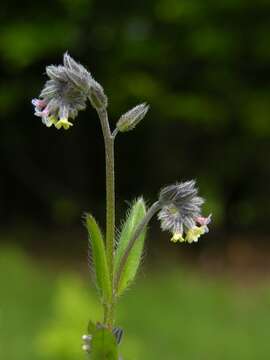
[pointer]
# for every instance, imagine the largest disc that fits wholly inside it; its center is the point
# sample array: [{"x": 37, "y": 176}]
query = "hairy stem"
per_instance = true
[
  {"x": 110, "y": 207},
  {"x": 150, "y": 213}
]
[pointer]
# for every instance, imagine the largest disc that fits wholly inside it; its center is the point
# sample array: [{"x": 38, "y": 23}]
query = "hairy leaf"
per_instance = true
[
  {"x": 99, "y": 257},
  {"x": 135, "y": 214}
]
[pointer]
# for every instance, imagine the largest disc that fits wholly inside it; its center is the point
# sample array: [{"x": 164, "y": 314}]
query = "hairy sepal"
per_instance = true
[
  {"x": 99, "y": 258},
  {"x": 134, "y": 216}
]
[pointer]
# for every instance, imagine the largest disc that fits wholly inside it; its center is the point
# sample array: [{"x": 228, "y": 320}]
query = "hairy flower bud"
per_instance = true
[
  {"x": 130, "y": 119},
  {"x": 96, "y": 95},
  {"x": 181, "y": 212}
]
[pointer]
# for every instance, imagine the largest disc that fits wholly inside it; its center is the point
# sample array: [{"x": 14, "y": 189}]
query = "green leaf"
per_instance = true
[
  {"x": 135, "y": 214},
  {"x": 103, "y": 345},
  {"x": 99, "y": 257}
]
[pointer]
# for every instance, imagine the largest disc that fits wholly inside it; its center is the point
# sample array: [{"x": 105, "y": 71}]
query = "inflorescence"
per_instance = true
[
  {"x": 181, "y": 212},
  {"x": 66, "y": 93}
]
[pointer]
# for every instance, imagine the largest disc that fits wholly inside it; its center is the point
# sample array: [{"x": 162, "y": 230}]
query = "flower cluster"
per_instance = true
[
  {"x": 181, "y": 212},
  {"x": 64, "y": 94}
]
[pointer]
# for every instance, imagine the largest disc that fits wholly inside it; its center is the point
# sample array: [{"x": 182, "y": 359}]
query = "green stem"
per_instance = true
[
  {"x": 150, "y": 213},
  {"x": 110, "y": 207}
]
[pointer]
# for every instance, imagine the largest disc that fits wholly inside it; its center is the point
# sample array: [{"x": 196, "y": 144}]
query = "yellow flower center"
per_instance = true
[
  {"x": 194, "y": 233},
  {"x": 177, "y": 237},
  {"x": 63, "y": 123},
  {"x": 53, "y": 119}
]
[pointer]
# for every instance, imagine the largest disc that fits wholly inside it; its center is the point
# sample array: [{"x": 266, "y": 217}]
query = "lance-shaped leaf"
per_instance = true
[
  {"x": 99, "y": 257},
  {"x": 103, "y": 345},
  {"x": 135, "y": 214}
]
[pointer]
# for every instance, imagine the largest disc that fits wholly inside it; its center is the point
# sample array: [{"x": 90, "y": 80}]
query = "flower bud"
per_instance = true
[
  {"x": 130, "y": 119},
  {"x": 97, "y": 96}
]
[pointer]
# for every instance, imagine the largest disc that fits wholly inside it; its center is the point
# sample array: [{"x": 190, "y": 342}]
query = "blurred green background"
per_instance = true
[{"x": 203, "y": 66}]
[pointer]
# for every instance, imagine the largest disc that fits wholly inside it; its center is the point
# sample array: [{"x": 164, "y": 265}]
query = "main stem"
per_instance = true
[{"x": 110, "y": 208}]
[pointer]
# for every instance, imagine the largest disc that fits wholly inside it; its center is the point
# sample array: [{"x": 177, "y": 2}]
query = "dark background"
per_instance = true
[{"x": 203, "y": 66}]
